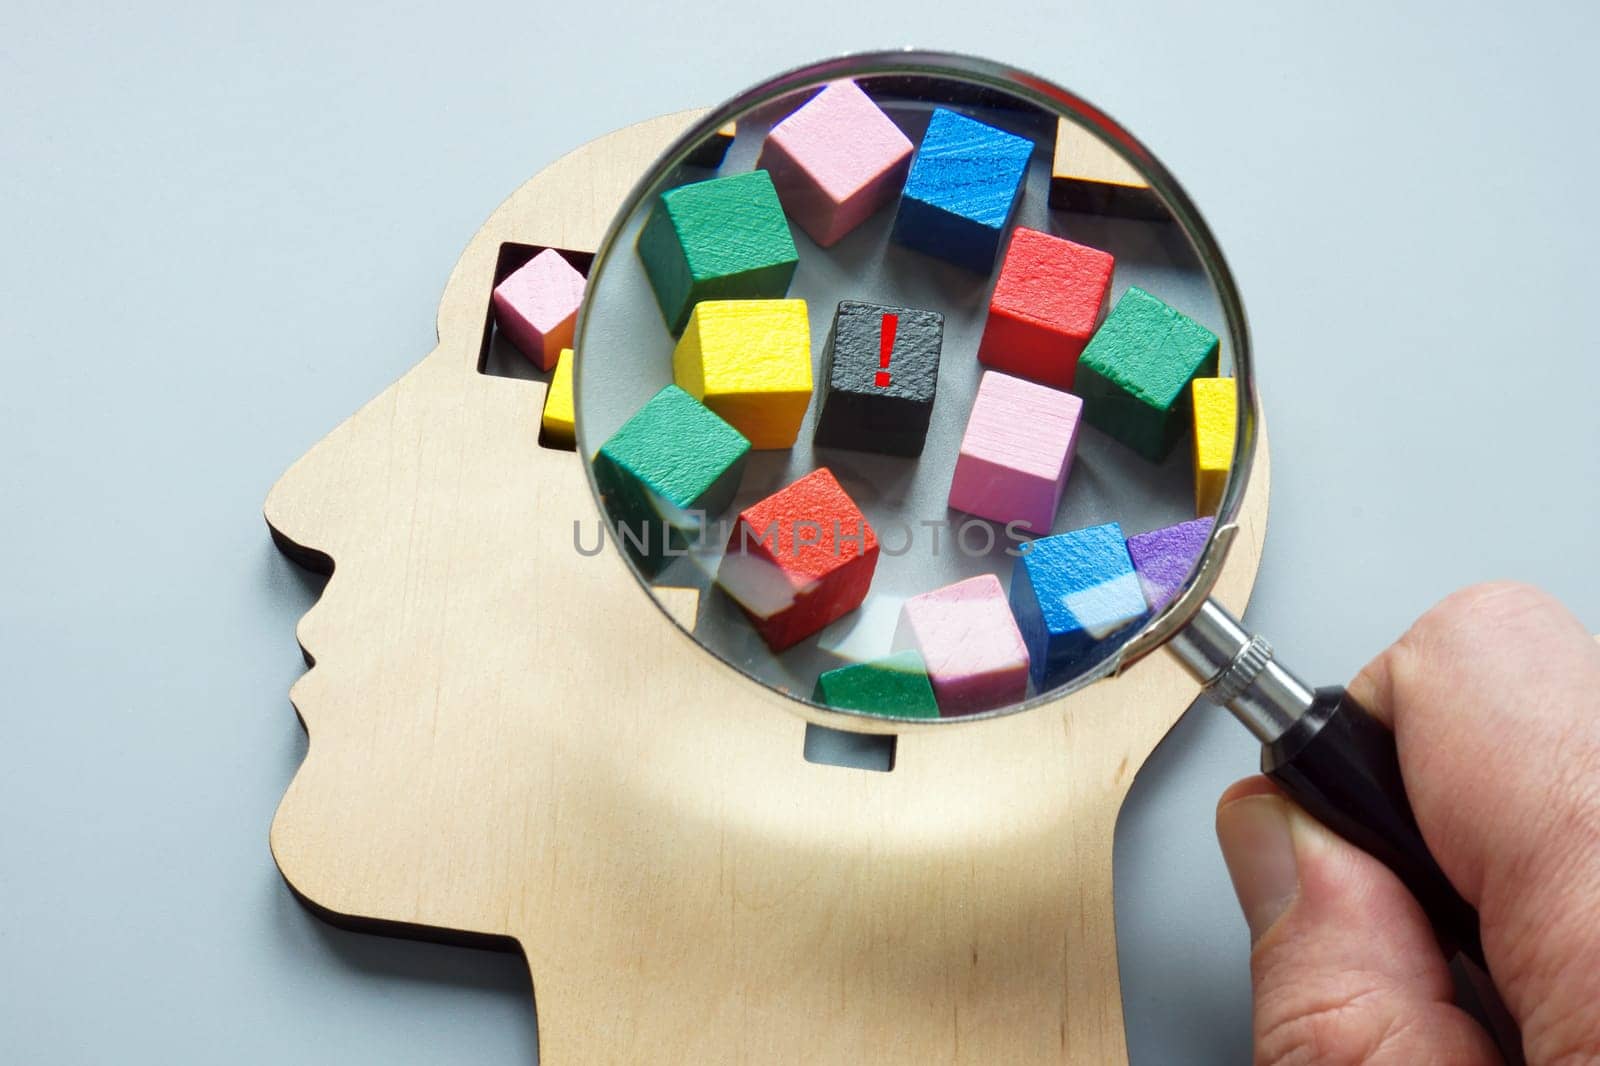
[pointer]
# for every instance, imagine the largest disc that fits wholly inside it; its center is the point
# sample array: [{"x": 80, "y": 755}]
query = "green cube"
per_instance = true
[
  {"x": 669, "y": 468},
  {"x": 723, "y": 239},
  {"x": 897, "y": 687},
  {"x": 1134, "y": 374}
]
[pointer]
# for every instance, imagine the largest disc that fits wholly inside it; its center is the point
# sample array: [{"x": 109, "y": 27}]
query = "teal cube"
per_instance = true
[
  {"x": 1134, "y": 374},
  {"x": 723, "y": 239},
  {"x": 670, "y": 467},
  {"x": 896, "y": 686}
]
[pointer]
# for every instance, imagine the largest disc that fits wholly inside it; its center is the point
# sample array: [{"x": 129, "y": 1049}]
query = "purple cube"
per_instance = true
[{"x": 1163, "y": 558}]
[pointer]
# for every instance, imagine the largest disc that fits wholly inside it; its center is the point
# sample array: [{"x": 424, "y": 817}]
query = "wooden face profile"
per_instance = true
[{"x": 510, "y": 743}]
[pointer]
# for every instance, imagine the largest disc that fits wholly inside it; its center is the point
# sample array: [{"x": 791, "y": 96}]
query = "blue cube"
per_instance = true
[
  {"x": 1071, "y": 593},
  {"x": 962, "y": 190}
]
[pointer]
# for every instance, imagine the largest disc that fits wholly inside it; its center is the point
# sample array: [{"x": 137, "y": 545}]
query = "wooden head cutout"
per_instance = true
[{"x": 511, "y": 743}]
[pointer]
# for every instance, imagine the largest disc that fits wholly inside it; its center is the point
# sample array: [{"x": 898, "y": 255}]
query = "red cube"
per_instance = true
[
  {"x": 799, "y": 559},
  {"x": 1046, "y": 305}
]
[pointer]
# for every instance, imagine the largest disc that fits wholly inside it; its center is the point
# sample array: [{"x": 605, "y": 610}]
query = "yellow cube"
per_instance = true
[
  {"x": 1216, "y": 416},
  {"x": 559, "y": 423},
  {"x": 750, "y": 362}
]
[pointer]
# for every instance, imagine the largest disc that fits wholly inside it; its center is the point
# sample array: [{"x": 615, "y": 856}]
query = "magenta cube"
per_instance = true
[
  {"x": 835, "y": 161},
  {"x": 1016, "y": 453},
  {"x": 536, "y": 306}
]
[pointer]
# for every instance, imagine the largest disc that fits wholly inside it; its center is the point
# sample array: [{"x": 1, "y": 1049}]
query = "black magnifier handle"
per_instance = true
[
  {"x": 1328, "y": 753},
  {"x": 1339, "y": 763}
]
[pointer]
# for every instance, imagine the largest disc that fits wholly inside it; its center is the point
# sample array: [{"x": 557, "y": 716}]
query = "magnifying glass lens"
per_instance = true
[{"x": 918, "y": 379}]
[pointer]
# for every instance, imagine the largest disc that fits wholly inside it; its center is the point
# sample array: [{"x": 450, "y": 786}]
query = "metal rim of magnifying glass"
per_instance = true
[{"x": 1055, "y": 100}]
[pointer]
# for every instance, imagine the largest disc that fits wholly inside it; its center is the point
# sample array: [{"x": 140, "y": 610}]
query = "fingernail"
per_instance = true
[{"x": 1258, "y": 846}]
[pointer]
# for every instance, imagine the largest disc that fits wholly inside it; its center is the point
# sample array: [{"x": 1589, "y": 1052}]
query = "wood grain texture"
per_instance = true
[
  {"x": 880, "y": 376},
  {"x": 1163, "y": 558},
  {"x": 722, "y": 239},
  {"x": 1134, "y": 374},
  {"x": 636, "y": 818},
  {"x": 894, "y": 685},
  {"x": 537, "y": 307},
  {"x": 962, "y": 190},
  {"x": 835, "y": 161},
  {"x": 559, "y": 422},
  {"x": 1070, "y": 593},
  {"x": 1016, "y": 452},
  {"x": 671, "y": 463},
  {"x": 799, "y": 559},
  {"x": 1049, "y": 298},
  {"x": 1216, "y": 417},
  {"x": 750, "y": 362},
  {"x": 1086, "y": 175},
  {"x": 967, "y": 636}
]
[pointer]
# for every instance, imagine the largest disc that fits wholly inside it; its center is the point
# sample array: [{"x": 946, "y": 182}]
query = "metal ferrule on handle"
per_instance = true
[
  {"x": 1333, "y": 758},
  {"x": 1239, "y": 672}
]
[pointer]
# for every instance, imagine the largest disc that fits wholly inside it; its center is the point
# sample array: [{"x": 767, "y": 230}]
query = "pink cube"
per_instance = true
[
  {"x": 967, "y": 636},
  {"x": 835, "y": 161},
  {"x": 1016, "y": 453},
  {"x": 536, "y": 306}
]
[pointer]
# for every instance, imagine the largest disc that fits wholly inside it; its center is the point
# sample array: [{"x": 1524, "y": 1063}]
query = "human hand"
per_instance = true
[{"x": 1494, "y": 697}]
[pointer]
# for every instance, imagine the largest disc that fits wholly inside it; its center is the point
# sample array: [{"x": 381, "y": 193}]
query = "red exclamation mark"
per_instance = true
[{"x": 886, "y": 330}]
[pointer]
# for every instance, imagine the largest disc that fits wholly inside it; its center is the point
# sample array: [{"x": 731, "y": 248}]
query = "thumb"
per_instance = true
[{"x": 1345, "y": 968}]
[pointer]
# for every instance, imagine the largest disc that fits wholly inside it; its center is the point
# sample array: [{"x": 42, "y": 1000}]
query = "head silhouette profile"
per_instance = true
[{"x": 511, "y": 743}]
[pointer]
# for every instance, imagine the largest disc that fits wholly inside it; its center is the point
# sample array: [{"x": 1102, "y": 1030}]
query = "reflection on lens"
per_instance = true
[{"x": 917, "y": 383}]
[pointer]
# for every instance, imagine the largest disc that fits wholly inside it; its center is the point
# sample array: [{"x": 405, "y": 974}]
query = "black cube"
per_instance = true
[{"x": 880, "y": 371}]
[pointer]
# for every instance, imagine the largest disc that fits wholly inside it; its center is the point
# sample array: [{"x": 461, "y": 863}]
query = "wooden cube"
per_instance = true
[
  {"x": 1163, "y": 558},
  {"x": 835, "y": 161},
  {"x": 962, "y": 190},
  {"x": 710, "y": 152},
  {"x": 721, "y": 239},
  {"x": 1046, "y": 304},
  {"x": 536, "y": 306},
  {"x": 749, "y": 361},
  {"x": 1088, "y": 176},
  {"x": 975, "y": 655},
  {"x": 670, "y": 466},
  {"x": 1216, "y": 421},
  {"x": 880, "y": 371},
  {"x": 558, "y": 424},
  {"x": 1016, "y": 453},
  {"x": 896, "y": 685},
  {"x": 1071, "y": 594},
  {"x": 1134, "y": 374},
  {"x": 799, "y": 559}
]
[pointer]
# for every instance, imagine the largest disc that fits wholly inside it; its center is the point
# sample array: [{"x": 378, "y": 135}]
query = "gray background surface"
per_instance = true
[{"x": 224, "y": 229}]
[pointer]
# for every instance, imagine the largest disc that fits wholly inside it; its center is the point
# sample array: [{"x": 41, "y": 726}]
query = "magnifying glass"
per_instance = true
[{"x": 935, "y": 384}]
